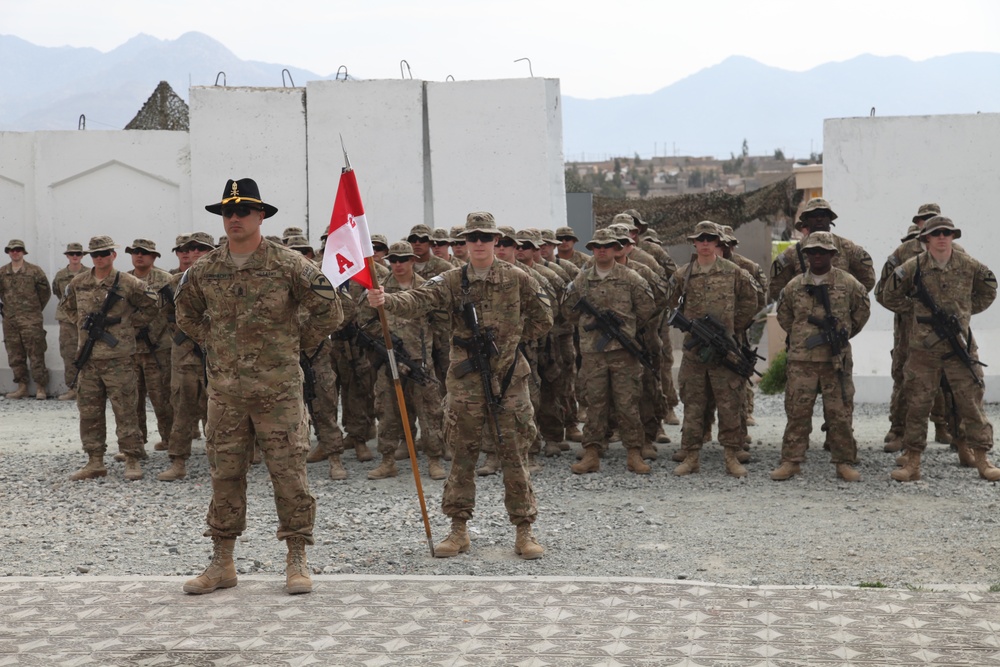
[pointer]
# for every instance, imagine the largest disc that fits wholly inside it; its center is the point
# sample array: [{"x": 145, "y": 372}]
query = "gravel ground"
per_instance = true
[{"x": 813, "y": 529}]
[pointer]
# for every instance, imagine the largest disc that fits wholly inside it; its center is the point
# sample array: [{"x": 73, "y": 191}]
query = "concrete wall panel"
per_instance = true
[
  {"x": 493, "y": 149},
  {"x": 383, "y": 130},
  {"x": 876, "y": 173}
]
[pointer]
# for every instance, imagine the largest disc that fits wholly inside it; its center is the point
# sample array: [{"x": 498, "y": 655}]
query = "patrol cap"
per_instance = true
[
  {"x": 441, "y": 234},
  {"x": 241, "y": 191},
  {"x": 292, "y": 231},
  {"x": 728, "y": 236},
  {"x": 73, "y": 247},
  {"x": 926, "y": 211},
  {"x": 419, "y": 232},
  {"x": 142, "y": 244},
  {"x": 624, "y": 219},
  {"x": 548, "y": 237},
  {"x": 298, "y": 243},
  {"x": 202, "y": 239},
  {"x": 706, "y": 227},
  {"x": 566, "y": 233},
  {"x": 380, "y": 238},
  {"x": 822, "y": 240},
  {"x": 815, "y": 204},
  {"x": 400, "y": 249},
  {"x": 179, "y": 242},
  {"x": 621, "y": 232},
  {"x": 911, "y": 233},
  {"x": 480, "y": 221},
  {"x": 15, "y": 244},
  {"x": 530, "y": 237},
  {"x": 636, "y": 219},
  {"x": 99, "y": 243},
  {"x": 940, "y": 222},
  {"x": 603, "y": 237}
]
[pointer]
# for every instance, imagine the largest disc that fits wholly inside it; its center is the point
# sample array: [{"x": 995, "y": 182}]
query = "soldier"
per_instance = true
[
  {"x": 567, "y": 339},
  {"x": 183, "y": 258},
  {"x": 152, "y": 354},
  {"x": 241, "y": 303},
  {"x": 611, "y": 375},
  {"x": 427, "y": 266},
  {"x": 68, "y": 334},
  {"x": 24, "y": 291},
  {"x": 458, "y": 245},
  {"x": 942, "y": 289},
  {"x": 441, "y": 245},
  {"x": 188, "y": 390},
  {"x": 423, "y": 399},
  {"x": 301, "y": 244},
  {"x": 567, "y": 239},
  {"x": 818, "y": 217},
  {"x": 290, "y": 232},
  {"x": 817, "y": 354},
  {"x": 380, "y": 245},
  {"x": 711, "y": 285},
  {"x": 504, "y": 305},
  {"x": 106, "y": 304}
]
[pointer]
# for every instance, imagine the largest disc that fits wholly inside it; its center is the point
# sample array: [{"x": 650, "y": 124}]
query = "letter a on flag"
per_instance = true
[{"x": 349, "y": 242}]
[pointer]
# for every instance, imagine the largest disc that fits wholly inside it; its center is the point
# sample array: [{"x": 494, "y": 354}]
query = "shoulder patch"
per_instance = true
[
  {"x": 865, "y": 258},
  {"x": 436, "y": 280},
  {"x": 181, "y": 284},
  {"x": 321, "y": 285},
  {"x": 990, "y": 279}
]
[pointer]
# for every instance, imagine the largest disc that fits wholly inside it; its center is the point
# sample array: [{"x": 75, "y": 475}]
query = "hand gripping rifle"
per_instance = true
[
  {"x": 481, "y": 347},
  {"x": 947, "y": 327},
  {"x": 417, "y": 372},
  {"x": 96, "y": 324},
  {"x": 830, "y": 333},
  {"x": 711, "y": 336},
  {"x": 610, "y": 325}
]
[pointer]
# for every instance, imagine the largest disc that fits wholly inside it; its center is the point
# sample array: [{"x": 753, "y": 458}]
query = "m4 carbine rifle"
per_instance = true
[
  {"x": 481, "y": 346},
  {"x": 96, "y": 325},
  {"x": 417, "y": 372},
  {"x": 610, "y": 325},
  {"x": 831, "y": 332},
  {"x": 711, "y": 336}
]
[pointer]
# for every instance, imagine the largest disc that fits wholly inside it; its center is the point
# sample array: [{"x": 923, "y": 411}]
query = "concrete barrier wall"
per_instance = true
[{"x": 876, "y": 173}]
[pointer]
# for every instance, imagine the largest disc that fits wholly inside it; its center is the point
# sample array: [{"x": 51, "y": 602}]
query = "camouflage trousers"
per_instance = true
[
  {"x": 550, "y": 413},
  {"x": 69, "y": 339},
  {"x": 152, "y": 372},
  {"x": 329, "y": 437},
  {"x": 921, "y": 381},
  {"x": 103, "y": 380},
  {"x": 423, "y": 403},
  {"x": 699, "y": 383},
  {"x": 898, "y": 403},
  {"x": 806, "y": 379},
  {"x": 566, "y": 386},
  {"x": 189, "y": 403},
  {"x": 667, "y": 367},
  {"x": 467, "y": 425},
  {"x": 354, "y": 373},
  {"x": 25, "y": 342},
  {"x": 611, "y": 381},
  {"x": 277, "y": 426}
]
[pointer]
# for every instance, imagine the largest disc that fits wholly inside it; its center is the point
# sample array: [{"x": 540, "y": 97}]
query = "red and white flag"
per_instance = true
[{"x": 349, "y": 242}]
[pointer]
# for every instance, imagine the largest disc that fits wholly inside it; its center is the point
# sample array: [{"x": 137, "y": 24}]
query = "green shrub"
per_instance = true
[{"x": 773, "y": 380}]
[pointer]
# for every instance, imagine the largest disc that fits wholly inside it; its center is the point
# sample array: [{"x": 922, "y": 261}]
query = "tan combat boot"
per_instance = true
[
  {"x": 942, "y": 434},
  {"x": 574, "y": 434},
  {"x": 591, "y": 461},
  {"x": 689, "y": 464},
  {"x": 786, "y": 470},
  {"x": 662, "y": 437},
  {"x": 649, "y": 451},
  {"x": 297, "y": 579},
  {"x": 457, "y": 541},
  {"x": 847, "y": 473},
  {"x": 525, "y": 544},
  {"x": 41, "y": 395},
  {"x": 679, "y": 455},
  {"x": 363, "y": 453},
  {"x": 20, "y": 392},
  {"x": 434, "y": 468},
  {"x": 120, "y": 457},
  {"x": 490, "y": 467},
  {"x": 317, "y": 454},
  {"x": 986, "y": 469},
  {"x": 337, "y": 470},
  {"x": 220, "y": 573},
  {"x": 743, "y": 455},
  {"x": 910, "y": 471},
  {"x": 733, "y": 466},
  {"x": 552, "y": 448},
  {"x": 94, "y": 469},
  {"x": 966, "y": 458},
  {"x": 133, "y": 469},
  {"x": 635, "y": 464},
  {"x": 161, "y": 446},
  {"x": 176, "y": 471},
  {"x": 903, "y": 458},
  {"x": 385, "y": 469},
  {"x": 893, "y": 443},
  {"x": 68, "y": 396},
  {"x": 402, "y": 452},
  {"x": 672, "y": 419}
]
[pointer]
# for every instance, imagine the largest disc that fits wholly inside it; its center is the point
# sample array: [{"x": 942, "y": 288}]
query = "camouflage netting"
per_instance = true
[
  {"x": 164, "y": 110},
  {"x": 673, "y": 218}
]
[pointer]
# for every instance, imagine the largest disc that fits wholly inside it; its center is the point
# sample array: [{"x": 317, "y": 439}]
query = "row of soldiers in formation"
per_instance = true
[{"x": 612, "y": 370}]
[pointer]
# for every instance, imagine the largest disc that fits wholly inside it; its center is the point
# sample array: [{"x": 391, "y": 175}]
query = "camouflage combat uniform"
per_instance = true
[
  {"x": 188, "y": 391},
  {"x": 69, "y": 336},
  {"x": 152, "y": 363},
  {"x": 850, "y": 257},
  {"x": 24, "y": 295},
  {"x": 246, "y": 319}
]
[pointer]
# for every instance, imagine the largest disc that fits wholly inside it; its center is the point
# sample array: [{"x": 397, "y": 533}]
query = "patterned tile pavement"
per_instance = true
[{"x": 454, "y": 621}]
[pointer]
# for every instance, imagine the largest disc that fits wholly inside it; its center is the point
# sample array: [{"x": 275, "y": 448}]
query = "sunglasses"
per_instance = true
[
  {"x": 458, "y": 243},
  {"x": 140, "y": 251},
  {"x": 480, "y": 237},
  {"x": 817, "y": 251},
  {"x": 380, "y": 248},
  {"x": 940, "y": 232},
  {"x": 705, "y": 237},
  {"x": 418, "y": 239},
  {"x": 506, "y": 243},
  {"x": 239, "y": 210},
  {"x": 396, "y": 259},
  {"x": 564, "y": 238},
  {"x": 74, "y": 254},
  {"x": 441, "y": 244},
  {"x": 605, "y": 246},
  {"x": 101, "y": 253}
]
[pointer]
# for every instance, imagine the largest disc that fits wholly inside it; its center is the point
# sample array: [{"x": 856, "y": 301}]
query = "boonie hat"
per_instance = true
[
  {"x": 292, "y": 231},
  {"x": 441, "y": 234},
  {"x": 636, "y": 219},
  {"x": 143, "y": 244},
  {"x": 816, "y": 204},
  {"x": 624, "y": 219},
  {"x": 650, "y": 235},
  {"x": 603, "y": 237},
  {"x": 480, "y": 221},
  {"x": 242, "y": 191},
  {"x": 15, "y": 244},
  {"x": 507, "y": 233},
  {"x": 549, "y": 237},
  {"x": 566, "y": 232},
  {"x": 822, "y": 240},
  {"x": 911, "y": 233},
  {"x": 621, "y": 232},
  {"x": 455, "y": 231},
  {"x": 179, "y": 242},
  {"x": 727, "y": 235},
  {"x": 74, "y": 247},
  {"x": 530, "y": 237},
  {"x": 298, "y": 243},
  {"x": 99, "y": 243},
  {"x": 400, "y": 249},
  {"x": 380, "y": 238},
  {"x": 201, "y": 238},
  {"x": 926, "y": 211},
  {"x": 705, "y": 227},
  {"x": 940, "y": 222},
  {"x": 419, "y": 231}
]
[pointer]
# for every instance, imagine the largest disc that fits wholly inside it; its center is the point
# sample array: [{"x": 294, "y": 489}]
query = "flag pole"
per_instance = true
[{"x": 400, "y": 399}]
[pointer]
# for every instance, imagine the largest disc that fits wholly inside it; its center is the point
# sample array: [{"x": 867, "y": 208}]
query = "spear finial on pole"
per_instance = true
[{"x": 347, "y": 160}]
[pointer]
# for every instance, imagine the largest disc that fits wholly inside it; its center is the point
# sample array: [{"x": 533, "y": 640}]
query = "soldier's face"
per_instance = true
[
  {"x": 566, "y": 244},
  {"x": 421, "y": 247},
  {"x": 103, "y": 262},
  {"x": 817, "y": 221},
  {"x": 16, "y": 254},
  {"x": 524, "y": 253},
  {"x": 481, "y": 248},
  {"x": 142, "y": 259},
  {"x": 547, "y": 251},
  {"x": 75, "y": 259},
  {"x": 820, "y": 260},
  {"x": 939, "y": 240},
  {"x": 440, "y": 249},
  {"x": 705, "y": 246},
  {"x": 240, "y": 229},
  {"x": 459, "y": 250},
  {"x": 604, "y": 254}
]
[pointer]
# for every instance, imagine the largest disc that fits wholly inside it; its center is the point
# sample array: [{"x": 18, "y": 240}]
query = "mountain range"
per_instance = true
[{"x": 710, "y": 112}]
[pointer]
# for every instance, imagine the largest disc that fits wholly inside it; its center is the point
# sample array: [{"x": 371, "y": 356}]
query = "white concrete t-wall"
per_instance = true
[{"x": 876, "y": 173}]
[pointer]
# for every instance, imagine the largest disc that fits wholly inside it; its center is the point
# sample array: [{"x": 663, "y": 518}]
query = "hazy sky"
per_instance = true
[{"x": 597, "y": 49}]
